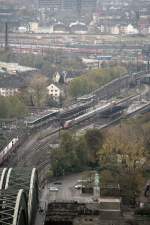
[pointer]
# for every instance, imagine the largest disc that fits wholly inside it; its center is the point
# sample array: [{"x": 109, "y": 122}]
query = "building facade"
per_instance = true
[
  {"x": 54, "y": 91},
  {"x": 11, "y": 86},
  {"x": 68, "y": 4},
  {"x": 6, "y": 92},
  {"x": 51, "y": 4}
]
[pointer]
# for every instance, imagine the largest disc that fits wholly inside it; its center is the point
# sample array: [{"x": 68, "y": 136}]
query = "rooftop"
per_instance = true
[
  {"x": 11, "y": 82},
  {"x": 15, "y": 67},
  {"x": 107, "y": 200},
  {"x": 35, "y": 117}
]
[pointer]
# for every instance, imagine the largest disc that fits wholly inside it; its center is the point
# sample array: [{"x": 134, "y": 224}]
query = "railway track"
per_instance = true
[
  {"x": 46, "y": 163},
  {"x": 35, "y": 151},
  {"x": 57, "y": 130},
  {"x": 37, "y": 154}
]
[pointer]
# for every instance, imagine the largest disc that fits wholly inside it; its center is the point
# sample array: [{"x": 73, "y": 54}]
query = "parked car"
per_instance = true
[
  {"x": 51, "y": 188},
  {"x": 57, "y": 183},
  {"x": 79, "y": 186}
]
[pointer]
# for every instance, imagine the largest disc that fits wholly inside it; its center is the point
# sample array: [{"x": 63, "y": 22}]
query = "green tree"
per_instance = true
[
  {"x": 81, "y": 152},
  {"x": 16, "y": 107},
  {"x": 94, "y": 79},
  {"x": 3, "y": 107},
  {"x": 94, "y": 140},
  {"x": 78, "y": 87},
  {"x": 71, "y": 156},
  {"x": 76, "y": 152},
  {"x": 12, "y": 107}
]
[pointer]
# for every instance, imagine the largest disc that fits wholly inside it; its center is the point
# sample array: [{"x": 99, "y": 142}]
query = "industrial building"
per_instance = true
[
  {"x": 51, "y": 4},
  {"x": 68, "y": 4}
]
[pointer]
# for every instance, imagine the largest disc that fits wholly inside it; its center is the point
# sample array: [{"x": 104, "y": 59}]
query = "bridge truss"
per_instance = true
[
  {"x": 13, "y": 207},
  {"x": 18, "y": 196}
]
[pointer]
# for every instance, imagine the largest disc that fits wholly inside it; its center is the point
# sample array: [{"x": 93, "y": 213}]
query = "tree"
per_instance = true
[
  {"x": 63, "y": 159},
  {"x": 76, "y": 152},
  {"x": 16, "y": 107},
  {"x": 6, "y": 56},
  {"x": 71, "y": 156},
  {"x": 81, "y": 152},
  {"x": 3, "y": 107},
  {"x": 79, "y": 86},
  {"x": 125, "y": 146},
  {"x": 123, "y": 153},
  {"x": 38, "y": 90},
  {"x": 11, "y": 107},
  {"x": 94, "y": 79},
  {"x": 94, "y": 140}
]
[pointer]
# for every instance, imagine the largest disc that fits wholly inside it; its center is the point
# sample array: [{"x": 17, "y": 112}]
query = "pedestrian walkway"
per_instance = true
[{"x": 41, "y": 213}]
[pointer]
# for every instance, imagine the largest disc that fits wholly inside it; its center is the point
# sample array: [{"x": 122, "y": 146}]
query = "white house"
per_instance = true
[
  {"x": 10, "y": 86},
  {"x": 8, "y": 91},
  {"x": 54, "y": 91}
]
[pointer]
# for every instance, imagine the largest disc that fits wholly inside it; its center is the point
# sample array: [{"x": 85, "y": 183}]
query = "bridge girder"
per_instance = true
[
  {"x": 3, "y": 173},
  {"x": 13, "y": 207},
  {"x": 27, "y": 179}
]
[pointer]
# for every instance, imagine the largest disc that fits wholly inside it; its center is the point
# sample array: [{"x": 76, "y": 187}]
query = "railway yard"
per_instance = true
[
  {"x": 126, "y": 96},
  {"x": 105, "y": 109},
  {"x": 122, "y": 48},
  {"x": 74, "y": 112}
]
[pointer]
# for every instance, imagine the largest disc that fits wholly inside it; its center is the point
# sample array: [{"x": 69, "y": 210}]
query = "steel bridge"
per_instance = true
[{"x": 18, "y": 196}]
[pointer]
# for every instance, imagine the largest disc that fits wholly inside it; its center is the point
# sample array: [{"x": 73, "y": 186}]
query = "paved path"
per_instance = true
[{"x": 40, "y": 217}]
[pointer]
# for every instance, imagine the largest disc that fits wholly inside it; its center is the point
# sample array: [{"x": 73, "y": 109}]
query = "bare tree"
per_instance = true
[{"x": 38, "y": 90}]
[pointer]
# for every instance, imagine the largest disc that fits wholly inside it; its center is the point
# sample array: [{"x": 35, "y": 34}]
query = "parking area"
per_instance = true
[{"x": 66, "y": 189}]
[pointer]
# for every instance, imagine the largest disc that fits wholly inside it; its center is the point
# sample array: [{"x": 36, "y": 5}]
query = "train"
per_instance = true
[
  {"x": 85, "y": 116},
  {"x": 76, "y": 109},
  {"x": 112, "y": 108},
  {"x": 26, "y": 48},
  {"x": 6, "y": 152},
  {"x": 37, "y": 121},
  {"x": 84, "y": 103}
]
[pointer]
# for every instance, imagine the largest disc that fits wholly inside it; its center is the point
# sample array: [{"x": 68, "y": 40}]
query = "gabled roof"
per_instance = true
[
  {"x": 11, "y": 67},
  {"x": 56, "y": 86},
  {"x": 11, "y": 82}
]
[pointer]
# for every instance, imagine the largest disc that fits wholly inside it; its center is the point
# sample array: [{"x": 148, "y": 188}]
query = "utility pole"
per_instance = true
[
  {"x": 96, "y": 186},
  {"x": 79, "y": 9},
  {"x": 6, "y": 36},
  {"x": 146, "y": 54}
]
